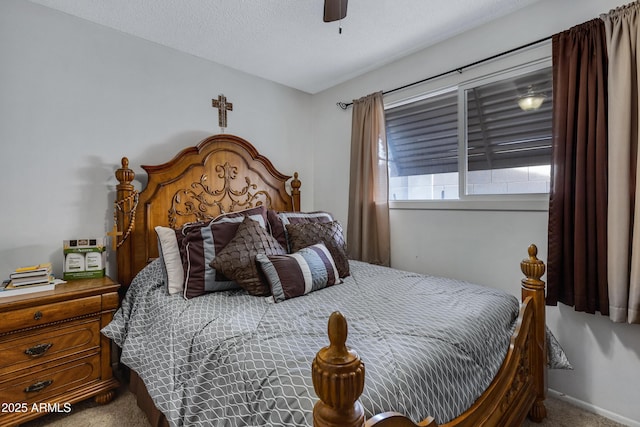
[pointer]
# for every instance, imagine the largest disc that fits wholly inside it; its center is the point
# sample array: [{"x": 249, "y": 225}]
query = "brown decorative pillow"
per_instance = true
[
  {"x": 237, "y": 260},
  {"x": 329, "y": 233},
  {"x": 279, "y": 220}
]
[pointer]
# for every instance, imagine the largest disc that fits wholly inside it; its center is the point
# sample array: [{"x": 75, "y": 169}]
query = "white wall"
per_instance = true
[
  {"x": 75, "y": 97},
  {"x": 486, "y": 246}
]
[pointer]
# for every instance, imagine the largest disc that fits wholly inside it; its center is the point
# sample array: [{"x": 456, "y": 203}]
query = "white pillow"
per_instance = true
[{"x": 170, "y": 253}]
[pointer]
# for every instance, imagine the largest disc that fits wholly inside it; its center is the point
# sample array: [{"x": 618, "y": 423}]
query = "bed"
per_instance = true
[{"x": 419, "y": 350}]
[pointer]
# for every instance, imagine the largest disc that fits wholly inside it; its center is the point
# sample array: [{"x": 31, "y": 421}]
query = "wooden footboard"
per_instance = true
[{"x": 518, "y": 390}]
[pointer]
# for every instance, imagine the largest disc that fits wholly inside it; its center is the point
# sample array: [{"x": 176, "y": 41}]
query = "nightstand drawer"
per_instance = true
[
  {"x": 53, "y": 379},
  {"x": 48, "y": 313},
  {"x": 41, "y": 345}
]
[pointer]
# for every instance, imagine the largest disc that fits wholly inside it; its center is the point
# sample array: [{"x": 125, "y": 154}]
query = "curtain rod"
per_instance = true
[{"x": 345, "y": 105}]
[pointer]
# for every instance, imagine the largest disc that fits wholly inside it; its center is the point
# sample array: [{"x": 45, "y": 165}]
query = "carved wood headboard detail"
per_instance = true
[{"x": 223, "y": 173}]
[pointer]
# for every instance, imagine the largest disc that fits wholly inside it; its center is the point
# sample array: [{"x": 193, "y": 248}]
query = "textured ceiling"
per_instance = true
[{"x": 286, "y": 41}]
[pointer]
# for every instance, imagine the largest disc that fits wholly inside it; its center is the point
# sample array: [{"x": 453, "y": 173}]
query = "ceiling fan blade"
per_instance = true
[{"x": 334, "y": 10}]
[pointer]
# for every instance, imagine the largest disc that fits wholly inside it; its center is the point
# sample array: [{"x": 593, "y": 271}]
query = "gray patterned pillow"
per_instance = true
[{"x": 237, "y": 260}]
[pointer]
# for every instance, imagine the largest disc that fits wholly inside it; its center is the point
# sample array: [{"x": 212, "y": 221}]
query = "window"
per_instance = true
[{"x": 506, "y": 149}]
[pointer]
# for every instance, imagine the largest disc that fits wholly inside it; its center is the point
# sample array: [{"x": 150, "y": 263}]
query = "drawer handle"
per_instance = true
[
  {"x": 38, "y": 386},
  {"x": 37, "y": 315},
  {"x": 38, "y": 350}
]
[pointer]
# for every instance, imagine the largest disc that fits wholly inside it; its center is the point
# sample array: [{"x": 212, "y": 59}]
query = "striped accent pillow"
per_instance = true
[
  {"x": 199, "y": 244},
  {"x": 310, "y": 269}
]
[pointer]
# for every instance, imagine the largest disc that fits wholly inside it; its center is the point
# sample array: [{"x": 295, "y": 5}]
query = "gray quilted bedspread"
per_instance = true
[{"x": 430, "y": 346}]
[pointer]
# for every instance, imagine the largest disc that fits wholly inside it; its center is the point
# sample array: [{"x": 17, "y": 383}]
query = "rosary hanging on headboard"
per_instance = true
[
  {"x": 124, "y": 208},
  {"x": 223, "y": 106}
]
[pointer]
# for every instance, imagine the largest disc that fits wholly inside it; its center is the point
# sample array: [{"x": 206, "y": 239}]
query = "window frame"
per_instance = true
[
  {"x": 527, "y": 60},
  {"x": 463, "y": 144}
]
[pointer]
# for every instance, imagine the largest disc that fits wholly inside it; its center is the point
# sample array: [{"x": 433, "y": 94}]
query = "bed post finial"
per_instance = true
[
  {"x": 533, "y": 287},
  {"x": 295, "y": 192},
  {"x": 124, "y": 175},
  {"x": 533, "y": 268},
  {"x": 338, "y": 379}
]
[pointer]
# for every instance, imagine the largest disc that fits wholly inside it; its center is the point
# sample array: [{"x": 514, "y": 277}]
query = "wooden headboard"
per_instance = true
[{"x": 223, "y": 173}]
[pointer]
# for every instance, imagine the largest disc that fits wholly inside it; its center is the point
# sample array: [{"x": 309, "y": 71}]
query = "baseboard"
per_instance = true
[{"x": 594, "y": 409}]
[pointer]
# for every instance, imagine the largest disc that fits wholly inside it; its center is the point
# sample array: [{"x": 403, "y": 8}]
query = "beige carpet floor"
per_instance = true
[{"x": 123, "y": 412}]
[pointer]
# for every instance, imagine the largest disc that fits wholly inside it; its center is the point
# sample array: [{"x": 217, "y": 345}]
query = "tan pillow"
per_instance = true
[{"x": 170, "y": 254}]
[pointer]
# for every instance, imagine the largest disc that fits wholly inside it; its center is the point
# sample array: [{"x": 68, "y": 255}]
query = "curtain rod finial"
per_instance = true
[{"x": 342, "y": 105}]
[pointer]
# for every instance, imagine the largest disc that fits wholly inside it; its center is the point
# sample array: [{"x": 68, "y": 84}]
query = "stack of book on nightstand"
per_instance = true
[{"x": 34, "y": 278}]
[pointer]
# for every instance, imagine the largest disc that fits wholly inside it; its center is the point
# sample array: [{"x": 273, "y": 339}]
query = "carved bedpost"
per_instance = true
[
  {"x": 533, "y": 287},
  {"x": 124, "y": 217},
  {"x": 295, "y": 192},
  {"x": 338, "y": 379}
]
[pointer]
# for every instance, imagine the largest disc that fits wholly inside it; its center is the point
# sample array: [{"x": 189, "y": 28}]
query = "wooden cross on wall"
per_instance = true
[{"x": 223, "y": 106}]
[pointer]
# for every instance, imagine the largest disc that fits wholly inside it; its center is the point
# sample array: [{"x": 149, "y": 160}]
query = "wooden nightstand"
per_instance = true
[{"x": 52, "y": 351}]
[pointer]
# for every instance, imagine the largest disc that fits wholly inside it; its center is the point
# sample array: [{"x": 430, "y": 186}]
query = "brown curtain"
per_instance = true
[
  {"x": 577, "y": 252},
  {"x": 368, "y": 222},
  {"x": 623, "y": 35}
]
